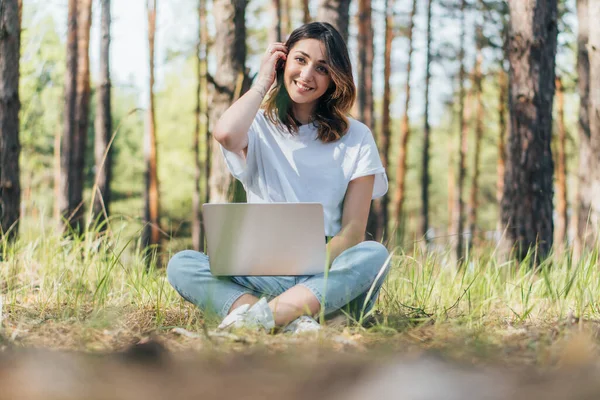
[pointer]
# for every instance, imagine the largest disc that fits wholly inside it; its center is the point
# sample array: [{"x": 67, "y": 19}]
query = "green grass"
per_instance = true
[{"x": 94, "y": 289}]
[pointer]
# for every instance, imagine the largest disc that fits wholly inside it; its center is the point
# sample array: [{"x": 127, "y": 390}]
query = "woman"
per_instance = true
[{"x": 300, "y": 147}]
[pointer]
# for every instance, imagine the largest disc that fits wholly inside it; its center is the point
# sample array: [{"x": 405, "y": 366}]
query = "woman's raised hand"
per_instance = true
[{"x": 267, "y": 73}]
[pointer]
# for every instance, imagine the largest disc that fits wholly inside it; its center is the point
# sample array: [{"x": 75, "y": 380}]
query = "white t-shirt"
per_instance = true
[{"x": 281, "y": 167}]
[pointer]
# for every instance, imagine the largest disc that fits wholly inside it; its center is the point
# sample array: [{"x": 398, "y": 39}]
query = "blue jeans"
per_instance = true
[{"x": 347, "y": 283}]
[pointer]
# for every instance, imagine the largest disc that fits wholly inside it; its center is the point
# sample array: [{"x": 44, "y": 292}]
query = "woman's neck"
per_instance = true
[{"x": 303, "y": 113}]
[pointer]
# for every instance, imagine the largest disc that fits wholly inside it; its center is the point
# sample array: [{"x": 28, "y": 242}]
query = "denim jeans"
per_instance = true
[{"x": 347, "y": 282}]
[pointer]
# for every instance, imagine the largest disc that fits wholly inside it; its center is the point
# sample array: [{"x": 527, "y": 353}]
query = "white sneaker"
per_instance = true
[
  {"x": 259, "y": 316},
  {"x": 301, "y": 325}
]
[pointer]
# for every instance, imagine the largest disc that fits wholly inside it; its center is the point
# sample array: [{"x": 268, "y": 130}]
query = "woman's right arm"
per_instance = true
[{"x": 231, "y": 130}]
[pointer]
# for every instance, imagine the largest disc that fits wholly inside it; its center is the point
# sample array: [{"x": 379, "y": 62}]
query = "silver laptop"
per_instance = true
[{"x": 265, "y": 238}]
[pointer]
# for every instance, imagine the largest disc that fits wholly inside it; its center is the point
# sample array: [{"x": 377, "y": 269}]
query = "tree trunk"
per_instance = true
[
  {"x": 405, "y": 129},
  {"x": 286, "y": 18},
  {"x": 527, "y": 201},
  {"x": 275, "y": 32},
  {"x": 424, "y": 225},
  {"x": 560, "y": 233},
  {"x": 335, "y": 12},
  {"x": 477, "y": 81},
  {"x": 196, "y": 195},
  {"x": 230, "y": 49},
  {"x": 151, "y": 232},
  {"x": 207, "y": 136},
  {"x": 305, "y": 12},
  {"x": 502, "y": 126},
  {"x": 103, "y": 124},
  {"x": 462, "y": 152},
  {"x": 10, "y": 148},
  {"x": 380, "y": 205},
  {"x": 82, "y": 108},
  {"x": 67, "y": 161},
  {"x": 584, "y": 236},
  {"x": 593, "y": 191}
]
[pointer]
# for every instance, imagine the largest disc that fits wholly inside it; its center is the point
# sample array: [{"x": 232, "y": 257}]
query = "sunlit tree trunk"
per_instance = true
[
  {"x": 405, "y": 127},
  {"x": 528, "y": 187},
  {"x": 380, "y": 205},
  {"x": 103, "y": 123},
  {"x": 230, "y": 53},
  {"x": 479, "y": 117},
  {"x": 67, "y": 148},
  {"x": 151, "y": 231},
  {"x": 286, "y": 18},
  {"x": 82, "y": 107},
  {"x": 207, "y": 137},
  {"x": 584, "y": 236},
  {"x": 196, "y": 195},
  {"x": 275, "y": 32},
  {"x": 305, "y": 12},
  {"x": 560, "y": 231},
  {"x": 336, "y": 12},
  {"x": 462, "y": 152},
  {"x": 424, "y": 225},
  {"x": 10, "y": 147},
  {"x": 593, "y": 190}
]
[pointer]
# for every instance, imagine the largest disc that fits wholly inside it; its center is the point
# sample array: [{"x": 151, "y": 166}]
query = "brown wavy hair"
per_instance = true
[{"x": 331, "y": 111}]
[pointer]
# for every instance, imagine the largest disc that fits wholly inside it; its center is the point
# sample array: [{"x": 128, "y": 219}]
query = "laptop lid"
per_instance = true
[{"x": 265, "y": 238}]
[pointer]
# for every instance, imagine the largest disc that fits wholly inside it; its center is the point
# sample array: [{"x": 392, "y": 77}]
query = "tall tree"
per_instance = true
[
  {"x": 10, "y": 148},
  {"x": 305, "y": 12},
  {"x": 196, "y": 195},
  {"x": 462, "y": 152},
  {"x": 335, "y": 12},
  {"x": 560, "y": 232},
  {"x": 230, "y": 52},
  {"x": 66, "y": 202},
  {"x": 275, "y": 32},
  {"x": 478, "y": 87},
  {"x": 82, "y": 107},
  {"x": 207, "y": 136},
  {"x": 527, "y": 201},
  {"x": 151, "y": 230},
  {"x": 405, "y": 127},
  {"x": 103, "y": 123},
  {"x": 594, "y": 115},
  {"x": 584, "y": 234},
  {"x": 424, "y": 223}
]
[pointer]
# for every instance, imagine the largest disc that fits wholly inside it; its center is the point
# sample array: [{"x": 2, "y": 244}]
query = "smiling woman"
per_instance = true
[{"x": 302, "y": 147}]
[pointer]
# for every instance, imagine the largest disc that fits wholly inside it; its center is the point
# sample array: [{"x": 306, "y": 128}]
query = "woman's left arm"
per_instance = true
[{"x": 355, "y": 214}]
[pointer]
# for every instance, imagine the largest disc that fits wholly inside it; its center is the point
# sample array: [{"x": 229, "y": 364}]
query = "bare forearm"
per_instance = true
[
  {"x": 232, "y": 127},
  {"x": 338, "y": 244}
]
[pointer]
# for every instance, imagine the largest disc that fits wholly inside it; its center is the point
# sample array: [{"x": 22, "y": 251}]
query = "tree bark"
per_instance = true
[
  {"x": 10, "y": 147},
  {"x": 584, "y": 236},
  {"x": 230, "y": 52},
  {"x": 405, "y": 127},
  {"x": 462, "y": 152},
  {"x": 528, "y": 191},
  {"x": 196, "y": 195},
  {"x": 82, "y": 108},
  {"x": 335, "y": 12},
  {"x": 207, "y": 135},
  {"x": 560, "y": 233},
  {"x": 103, "y": 124},
  {"x": 424, "y": 223},
  {"x": 151, "y": 231},
  {"x": 275, "y": 32},
  {"x": 67, "y": 148},
  {"x": 477, "y": 81},
  {"x": 380, "y": 205},
  {"x": 305, "y": 12},
  {"x": 593, "y": 190},
  {"x": 365, "y": 63}
]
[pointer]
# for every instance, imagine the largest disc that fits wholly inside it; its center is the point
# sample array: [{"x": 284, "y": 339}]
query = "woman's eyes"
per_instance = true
[{"x": 323, "y": 70}]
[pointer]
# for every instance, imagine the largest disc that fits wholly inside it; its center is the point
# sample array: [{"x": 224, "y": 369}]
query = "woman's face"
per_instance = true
[{"x": 306, "y": 75}]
